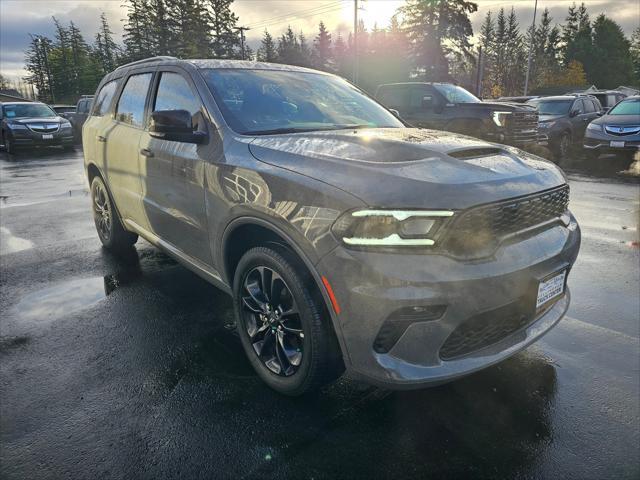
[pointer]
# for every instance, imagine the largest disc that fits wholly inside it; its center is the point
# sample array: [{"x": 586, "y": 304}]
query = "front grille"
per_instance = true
[
  {"x": 622, "y": 129},
  {"x": 485, "y": 329},
  {"x": 43, "y": 127},
  {"x": 522, "y": 127},
  {"x": 477, "y": 230}
]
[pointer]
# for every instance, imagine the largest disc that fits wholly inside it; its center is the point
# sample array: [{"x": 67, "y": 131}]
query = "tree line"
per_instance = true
[{"x": 426, "y": 40}]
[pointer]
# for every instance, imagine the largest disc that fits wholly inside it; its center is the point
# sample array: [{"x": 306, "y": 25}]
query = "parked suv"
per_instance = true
[
  {"x": 79, "y": 115},
  {"x": 410, "y": 257},
  {"x": 32, "y": 124},
  {"x": 564, "y": 119},
  {"x": 444, "y": 106}
]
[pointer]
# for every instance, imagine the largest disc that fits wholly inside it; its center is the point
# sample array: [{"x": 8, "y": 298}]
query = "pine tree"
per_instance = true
[
  {"x": 612, "y": 63},
  {"x": 487, "y": 42},
  {"x": 162, "y": 38},
  {"x": 435, "y": 29},
  {"x": 635, "y": 55},
  {"x": 322, "y": 49},
  {"x": 267, "y": 51},
  {"x": 36, "y": 63},
  {"x": 138, "y": 30},
  {"x": 289, "y": 48},
  {"x": 340, "y": 56},
  {"x": 106, "y": 49},
  {"x": 225, "y": 40}
]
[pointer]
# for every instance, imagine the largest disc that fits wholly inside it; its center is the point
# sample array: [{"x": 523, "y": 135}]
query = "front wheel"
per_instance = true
[
  {"x": 9, "y": 145},
  {"x": 284, "y": 327},
  {"x": 110, "y": 231},
  {"x": 564, "y": 146}
]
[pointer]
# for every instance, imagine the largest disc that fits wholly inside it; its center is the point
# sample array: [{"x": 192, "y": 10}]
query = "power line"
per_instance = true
[
  {"x": 297, "y": 13},
  {"x": 296, "y": 17}
]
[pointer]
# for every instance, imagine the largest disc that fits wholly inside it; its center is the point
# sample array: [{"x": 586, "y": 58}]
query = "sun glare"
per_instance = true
[{"x": 372, "y": 12}]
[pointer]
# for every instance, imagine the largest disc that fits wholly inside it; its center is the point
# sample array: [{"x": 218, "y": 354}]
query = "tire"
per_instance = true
[
  {"x": 107, "y": 221},
  {"x": 9, "y": 146},
  {"x": 293, "y": 353},
  {"x": 564, "y": 146}
]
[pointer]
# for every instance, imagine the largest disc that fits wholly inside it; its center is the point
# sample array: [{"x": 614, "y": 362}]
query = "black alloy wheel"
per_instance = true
[
  {"x": 272, "y": 321},
  {"x": 283, "y": 323}
]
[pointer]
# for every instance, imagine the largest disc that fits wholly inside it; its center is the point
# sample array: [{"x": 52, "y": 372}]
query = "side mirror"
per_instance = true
[
  {"x": 174, "y": 125},
  {"x": 573, "y": 113}
]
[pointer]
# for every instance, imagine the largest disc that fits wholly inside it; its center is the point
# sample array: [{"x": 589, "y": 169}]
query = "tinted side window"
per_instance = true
[
  {"x": 131, "y": 103},
  {"x": 577, "y": 106},
  {"x": 417, "y": 96},
  {"x": 588, "y": 106},
  {"x": 103, "y": 100},
  {"x": 174, "y": 93},
  {"x": 394, "y": 97}
]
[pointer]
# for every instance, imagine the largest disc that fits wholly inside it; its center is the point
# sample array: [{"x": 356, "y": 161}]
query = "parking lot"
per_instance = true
[{"x": 128, "y": 367}]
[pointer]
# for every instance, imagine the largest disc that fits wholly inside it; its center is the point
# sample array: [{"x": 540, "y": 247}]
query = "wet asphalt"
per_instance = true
[{"x": 128, "y": 367}]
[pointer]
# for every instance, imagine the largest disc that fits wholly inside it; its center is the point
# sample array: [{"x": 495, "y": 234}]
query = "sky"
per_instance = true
[{"x": 18, "y": 18}]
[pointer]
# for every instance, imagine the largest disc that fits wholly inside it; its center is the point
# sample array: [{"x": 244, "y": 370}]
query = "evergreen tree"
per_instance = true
[
  {"x": 138, "y": 30},
  {"x": 162, "y": 38},
  {"x": 289, "y": 48},
  {"x": 322, "y": 49},
  {"x": 225, "y": 40},
  {"x": 635, "y": 55},
  {"x": 106, "y": 49},
  {"x": 435, "y": 29},
  {"x": 612, "y": 63},
  {"x": 340, "y": 56},
  {"x": 190, "y": 28},
  {"x": 36, "y": 63},
  {"x": 267, "y": 51}
]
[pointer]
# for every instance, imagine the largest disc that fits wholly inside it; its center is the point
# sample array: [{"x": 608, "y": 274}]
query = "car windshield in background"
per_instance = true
[
  {"x": 455, "y": 94},
  {"x": 27, "y": 110},
  {"x": 556, "y": 107},
  {"x": 261, "y": 102},
  {"x": 626, "y": 107}
]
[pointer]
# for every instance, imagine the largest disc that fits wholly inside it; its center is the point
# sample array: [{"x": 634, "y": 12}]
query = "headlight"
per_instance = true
[
  {"x": 17, "y": 126},
  {"x": 595, "y": 127},
  {"x": 500, "y": 118},
  {"x": 65, "y": 124},
  {"x": 546, "y": 124},
  {"x": 390, "y": 228}
]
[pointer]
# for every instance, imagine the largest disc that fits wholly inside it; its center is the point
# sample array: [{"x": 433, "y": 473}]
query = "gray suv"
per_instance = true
[{"x": 407, "y": 256}]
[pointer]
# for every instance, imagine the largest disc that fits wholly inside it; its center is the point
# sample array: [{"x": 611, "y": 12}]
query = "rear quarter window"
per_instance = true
[
  {"x": 394, "y": 97},
  {"x": 104, "y": 98},
  {"x": 131, "y": 104}
]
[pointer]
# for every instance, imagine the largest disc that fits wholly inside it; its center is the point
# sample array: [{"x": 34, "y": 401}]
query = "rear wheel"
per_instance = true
[
  {"x": 284, "y": 327},
  {"x": 108, "y": 225}
]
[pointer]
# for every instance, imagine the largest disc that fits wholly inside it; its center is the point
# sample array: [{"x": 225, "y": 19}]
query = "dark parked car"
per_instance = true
[
  {"x": 79, "y": 115},
  {"x": 62, "y": 110},
  {"x": 409, "y": 256},
  {"x": 32, "y": 124},
  {"x": 618, "y": 131},
  {"x": 521, "y": 99},
  {"x": 564, "y": 119},
  {"x": 607, "y": 98},
  {"x": 444, "y": 106}
]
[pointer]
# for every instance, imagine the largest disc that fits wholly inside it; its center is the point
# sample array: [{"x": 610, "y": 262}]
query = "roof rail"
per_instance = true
[{"x": 145, "y": 60}]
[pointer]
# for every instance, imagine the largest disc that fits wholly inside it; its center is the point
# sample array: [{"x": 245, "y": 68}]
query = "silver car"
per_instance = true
[
  {"x": 616, "y": 132},
  {"x": 410, "y": 257}
]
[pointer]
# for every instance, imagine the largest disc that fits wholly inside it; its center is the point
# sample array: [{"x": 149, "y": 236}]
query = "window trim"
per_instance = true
[{"x": 127, "y": 77}]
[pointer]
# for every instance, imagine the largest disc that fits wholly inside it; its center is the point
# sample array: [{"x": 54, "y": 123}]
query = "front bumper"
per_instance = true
[
  {"x": 28, "y": 138},
  {"x": 601, "y": 142},
  {"x": 370, "y": 287}
]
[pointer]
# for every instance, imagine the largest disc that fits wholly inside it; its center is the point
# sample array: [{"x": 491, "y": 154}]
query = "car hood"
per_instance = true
[
  {"x": 549, "y": 118},
  {"x": 500, "y": 106},
  {"x": 618, "y": 120},
  {"x": 408, "y": 167},
  {"x": 36, "y": 120}
]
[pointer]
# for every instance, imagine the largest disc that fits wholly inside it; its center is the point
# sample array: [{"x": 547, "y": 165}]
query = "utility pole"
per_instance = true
[
  {"x": 355, "y": 42},
  {"x": 242, "y": 30},
  {"x": 533, "y": 32}
]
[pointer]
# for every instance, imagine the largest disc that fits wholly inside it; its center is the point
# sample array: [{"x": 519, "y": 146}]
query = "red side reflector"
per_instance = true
[{"x": 332, "y": 296}]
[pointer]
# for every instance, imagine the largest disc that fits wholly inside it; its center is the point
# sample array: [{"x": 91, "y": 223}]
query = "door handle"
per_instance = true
[
  {"x": 101, "y": 138},
  {"x": 145, "y": 152}
]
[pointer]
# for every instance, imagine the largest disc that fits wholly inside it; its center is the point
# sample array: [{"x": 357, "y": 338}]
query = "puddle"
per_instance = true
[{"x": 69, "y": 297}]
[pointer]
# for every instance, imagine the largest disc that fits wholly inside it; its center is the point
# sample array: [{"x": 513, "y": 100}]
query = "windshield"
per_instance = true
[
  {"x": 626, "y": 107},
  {"x": 255, "y": 102},
  {"x": 455, "y": 94},
  {"x": 27, "y": 110},
  {"x": 553, "y": 107}
]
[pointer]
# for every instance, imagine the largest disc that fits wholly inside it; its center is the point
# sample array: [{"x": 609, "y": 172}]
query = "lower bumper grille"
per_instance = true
[
  {"x": 522, "y": 128},
  {"x": 485, "y": 329}
]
